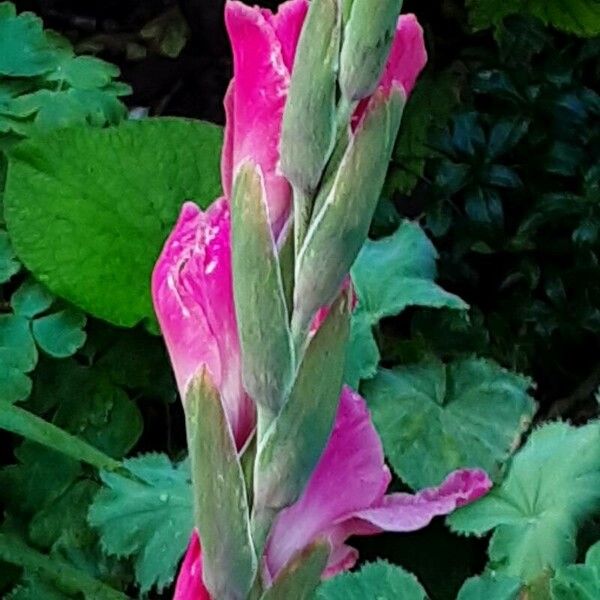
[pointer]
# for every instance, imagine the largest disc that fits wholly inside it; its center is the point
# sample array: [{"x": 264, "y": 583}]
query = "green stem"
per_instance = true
[
  {"x": 302, "y": 214},
  {"x": 14, "y": 551},
  {"x": 22, "y": 422}
]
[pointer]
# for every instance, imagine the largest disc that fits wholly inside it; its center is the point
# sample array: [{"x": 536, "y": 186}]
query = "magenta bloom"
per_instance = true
[
  {"x": 345, "y": 496},
  {"x": 192, "y": 291},
  {"x": 264, "y": 46}
]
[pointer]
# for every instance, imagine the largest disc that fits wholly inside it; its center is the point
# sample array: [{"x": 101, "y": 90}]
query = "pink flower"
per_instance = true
[
  {"x": 345, "y": 496},
  {"x": 264, "y": 46},
  {"x": 192, "y": 290}
]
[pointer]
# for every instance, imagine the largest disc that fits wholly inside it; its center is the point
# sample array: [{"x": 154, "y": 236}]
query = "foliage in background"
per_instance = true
[{"x": 482, "y": 278}]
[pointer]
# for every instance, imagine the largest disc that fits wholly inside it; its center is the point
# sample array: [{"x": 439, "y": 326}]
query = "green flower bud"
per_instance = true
[
  {"x": 309, "y": 119},
  {"x": 368, "y": 37},
  {"x": 339, "y": 229}
]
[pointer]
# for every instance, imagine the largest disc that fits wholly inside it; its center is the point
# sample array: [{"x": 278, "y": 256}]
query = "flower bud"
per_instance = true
[
  {"x": 309, "y": 119},
  {"x": 368, "y": 37}
]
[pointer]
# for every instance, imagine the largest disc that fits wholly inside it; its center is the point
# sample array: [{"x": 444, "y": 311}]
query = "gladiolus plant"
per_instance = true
[{"x": 254, "y": 300}]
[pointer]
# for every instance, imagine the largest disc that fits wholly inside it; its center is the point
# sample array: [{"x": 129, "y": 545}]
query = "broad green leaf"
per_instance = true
[
  {"x": 31, "y": 299},
  {"x": 388, "y": 276},
  {"x": 84, "y": 72},
  {"x": 73, "y": 581},
  {"x": 379, "y": 580},
  {"x": 262, "y": 314},
  {"x": 25, "y": 50},
  {"x": 362, "y": 352},
  {"x": 18, "y": 356},
  {"x": 490, "y": 587},
  {"x": 581, "y": 17},
  {"x": 228, "y": 558},
  {"x": 434, "y": 417},
  {"x": 147, "y": 517},
  {"x": 300, "y": 578},
  {"x": 9, "y": 265},
  {"x": 60, "y": 334},
  {"x": 102, "y": 203},
  {"x": 339, "y": 229},
  {"x": 41, "y": 476},
  {"x": 67, "y": 515},
  {"x": 552, "y": 486},
  {"x": 292, "y": 445},
  {"x": 578, "y": 582},
  {"x": 100, "y": 412}
]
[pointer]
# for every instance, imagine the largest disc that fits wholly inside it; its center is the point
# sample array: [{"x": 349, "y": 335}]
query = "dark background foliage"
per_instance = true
[{"x": 497, "y": 158}]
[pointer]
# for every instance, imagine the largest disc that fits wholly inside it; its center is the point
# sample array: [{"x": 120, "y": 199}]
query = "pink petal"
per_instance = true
[
  {"x": 287, "y": 24},
  {"x": 193, "y": 299},
  {"x": 350, "y": 476},
  {"x": 407, "y": 59},
  {"x": 189, "y": 581},
  {"x": 409, "y": 512},
  {"x": 263, "y": 48}
]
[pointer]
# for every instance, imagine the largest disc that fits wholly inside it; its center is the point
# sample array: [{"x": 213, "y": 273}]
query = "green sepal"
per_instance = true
[
  {"x": 309, "y": 123},
  {"x": 221, "y": 512},
  {"x": 301, "y": 577},
  {"x": 368, "y": 37},
  {"x": 262, "y": 314},
  {"x": 292, "y": 446},
  {"x": 340, "y": 228}
]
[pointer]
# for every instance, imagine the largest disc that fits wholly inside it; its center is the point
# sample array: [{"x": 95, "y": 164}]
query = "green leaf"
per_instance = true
[
  {"x": 107, "y": 418},
  {"x": 19, "y": 421},
  {"x": 9, "y": 265},
  {"x": 300, "y": 578},
  {"x": 84, "y": 72},
  {"x": 581, "y": 17},
  {"x": 490, "y": 587},
  {"x": 389, "y": 275},
  {"x": 102, "y": 203},
  {"x": 25, "y": 50},
  {"x": 18, "y": 356},
  {"x": 578, "y": 582},
  {"x": 379, "y": 580},
  {"x": 60, "y": 334},
  {"x": 362, "y": 352},
  {"x": 552, "y": 486},
  {"x": 434, "y": 417},
  {"x": 262, "y": 314},
  {"x": 398, "y": 271},
  {"x": 31, "y": 299},
  {"x": 148, "y": 517},
  {"x": 40, "y": 477},
  {"x": 228, "y": 558},
  {"x": 34, "y": 588},
  {"x": 66, "y": 515},
  {"x": 54, "y": 570}
]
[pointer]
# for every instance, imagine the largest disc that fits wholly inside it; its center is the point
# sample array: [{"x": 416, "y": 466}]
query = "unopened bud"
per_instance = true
[{"x": 368, "y": 37}]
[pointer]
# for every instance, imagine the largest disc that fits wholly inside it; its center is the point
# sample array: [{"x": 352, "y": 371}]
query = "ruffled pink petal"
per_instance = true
[
  {"x": 407, "y": 59},
  {"x": 350, "y": 476},
  {"x": 346, "y": 495},
  {"x": 192, "y": 291},
  {"x": 189, "y": 581},
  {"x": 287, "y": 23},
  {"x": 260, "y": 87}
]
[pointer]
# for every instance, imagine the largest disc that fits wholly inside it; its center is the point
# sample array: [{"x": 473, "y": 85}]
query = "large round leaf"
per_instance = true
[{"x": 88, "y": 210}]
